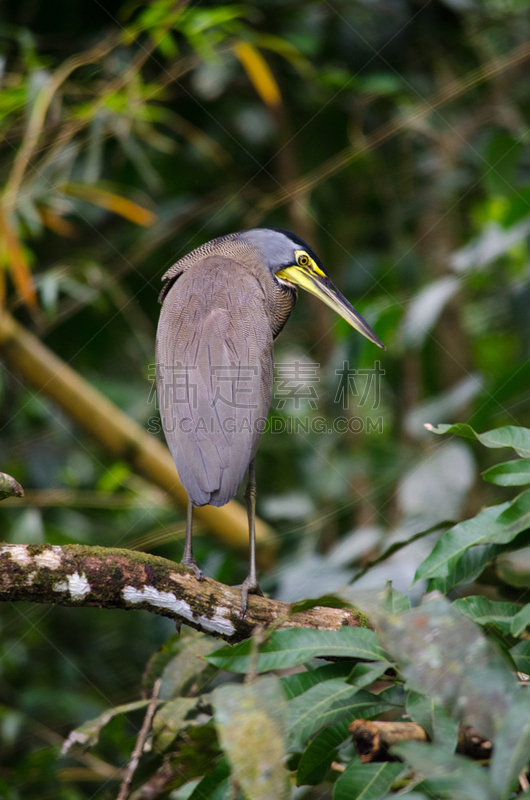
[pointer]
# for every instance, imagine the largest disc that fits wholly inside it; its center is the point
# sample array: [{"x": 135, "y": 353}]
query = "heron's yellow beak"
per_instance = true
[{"x": 318, "y": 283}]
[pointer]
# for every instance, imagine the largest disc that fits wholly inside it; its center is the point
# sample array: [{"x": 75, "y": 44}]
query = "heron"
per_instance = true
[{"x": 223, "y": 305}]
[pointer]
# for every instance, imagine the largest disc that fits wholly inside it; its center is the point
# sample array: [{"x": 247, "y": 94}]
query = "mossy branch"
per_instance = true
[{"x": 109, "y": 577}]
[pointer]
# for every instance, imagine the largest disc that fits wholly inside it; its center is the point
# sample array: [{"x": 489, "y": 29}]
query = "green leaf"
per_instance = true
[
  {"x": 513, "y": 567},
  {"x": 456, "y": 541},
  {"x": 88, "y": 733},
  {"x": 395, "y": 695},
  {"x": 114, "y": 477},
  {"x": 250, "y": 719},
  {"x": 291, "y": 647},
  {"x": 197, "y": 20},
  {"x": 469, "y": 565},
  {"x": 294, "y": 685},
  {"x": 440, "y": 726},
  {"x": 395, "y": 602},
  {"x": 464, "y": 568},
  {"x": 159, "y": 660},
  {"x": 447, "y": 774},
  {"x": 366, "y": 781},
  {"x": 509, "y": 436},
  {"x": 207, "y": 785},
  {"x": 496, "y": 525},
  {"x": 512, "y": 521},
  {"x": 512, "y": 746},
  {"x": 327, "y": 600},
  {"x": 488, "y": 612},
  {"x": 509, "y": 473},
  {"x": 383, "y": 83},
  {"x": 521, "y": 656},
  {"x": 9, "y": 487},
  {"x": 521, "y": 620},
  {"x": 188, "y": 667},
  {"x": 364, "y": 674},
  {"x": 328, "y": 703},
  {"x": 417, "y": 795},
  {"x": 169, "y": 720},
  {"x": 443, "y": 654},
  {"x": 397, "y": 546},
  {"x": 318, "y": 756}
]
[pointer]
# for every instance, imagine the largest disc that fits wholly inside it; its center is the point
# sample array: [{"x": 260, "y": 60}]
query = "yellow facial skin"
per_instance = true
[{"x": 308, "y": 275}]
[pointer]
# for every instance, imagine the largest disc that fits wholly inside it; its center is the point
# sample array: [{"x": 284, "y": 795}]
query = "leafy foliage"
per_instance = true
[
  {"x": 281, "y": 650},
  {"x": 393, "y": 137},
  {"x": 463, "y": 675},
  {"x": 499, "y": 525}
]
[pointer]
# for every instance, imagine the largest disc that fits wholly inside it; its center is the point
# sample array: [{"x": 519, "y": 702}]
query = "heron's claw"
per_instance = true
[
  {"x": 190, "y": 563},
  {"x": 248, "y": 587}
]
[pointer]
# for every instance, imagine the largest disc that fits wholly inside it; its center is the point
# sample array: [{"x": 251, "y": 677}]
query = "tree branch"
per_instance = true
[
  {"x": 109, "y": 577},
  {"x": 374, "y": 738}
]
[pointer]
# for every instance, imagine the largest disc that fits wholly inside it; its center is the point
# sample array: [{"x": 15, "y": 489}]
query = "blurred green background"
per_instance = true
[{"x": 392, "y": 136}]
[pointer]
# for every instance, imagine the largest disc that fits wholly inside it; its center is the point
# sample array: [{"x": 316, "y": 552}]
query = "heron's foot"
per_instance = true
[
  {"x": 190, "y": 563},
  {"x": 248, "y": 587}
]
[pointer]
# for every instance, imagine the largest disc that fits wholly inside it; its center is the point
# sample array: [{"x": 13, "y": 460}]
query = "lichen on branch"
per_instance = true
[{"x": 109, "y": 577}]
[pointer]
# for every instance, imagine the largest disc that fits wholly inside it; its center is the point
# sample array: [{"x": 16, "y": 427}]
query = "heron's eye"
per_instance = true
[{"x": 303, "y": 260}]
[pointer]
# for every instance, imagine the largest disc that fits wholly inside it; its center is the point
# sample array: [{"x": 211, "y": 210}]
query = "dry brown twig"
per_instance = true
[{"x": 140, "y": 742}]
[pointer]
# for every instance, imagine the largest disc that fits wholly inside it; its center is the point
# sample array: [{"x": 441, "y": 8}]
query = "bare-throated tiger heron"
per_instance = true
[{"x": 223, "y": 305}]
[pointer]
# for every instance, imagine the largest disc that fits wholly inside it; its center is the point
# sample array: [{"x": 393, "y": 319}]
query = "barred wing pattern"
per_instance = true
[{"x": 214, "y": 376}]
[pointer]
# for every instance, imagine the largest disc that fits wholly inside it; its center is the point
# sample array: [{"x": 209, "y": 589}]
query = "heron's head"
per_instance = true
[{"x": 293, "y": 263}]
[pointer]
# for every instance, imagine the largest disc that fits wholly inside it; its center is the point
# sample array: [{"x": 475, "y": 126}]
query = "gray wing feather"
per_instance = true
[{"x": 214, "y": 376}]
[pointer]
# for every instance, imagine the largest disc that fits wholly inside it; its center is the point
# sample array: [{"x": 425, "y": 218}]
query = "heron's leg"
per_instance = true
[
  {"x": 250, "y": 584},
  {"x": 187, "y": 559}
]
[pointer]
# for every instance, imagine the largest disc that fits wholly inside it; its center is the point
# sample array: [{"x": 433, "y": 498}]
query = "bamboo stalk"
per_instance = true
[
  {"x": 119, "y": 434},
  {"x": 84, "y": 498}
]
